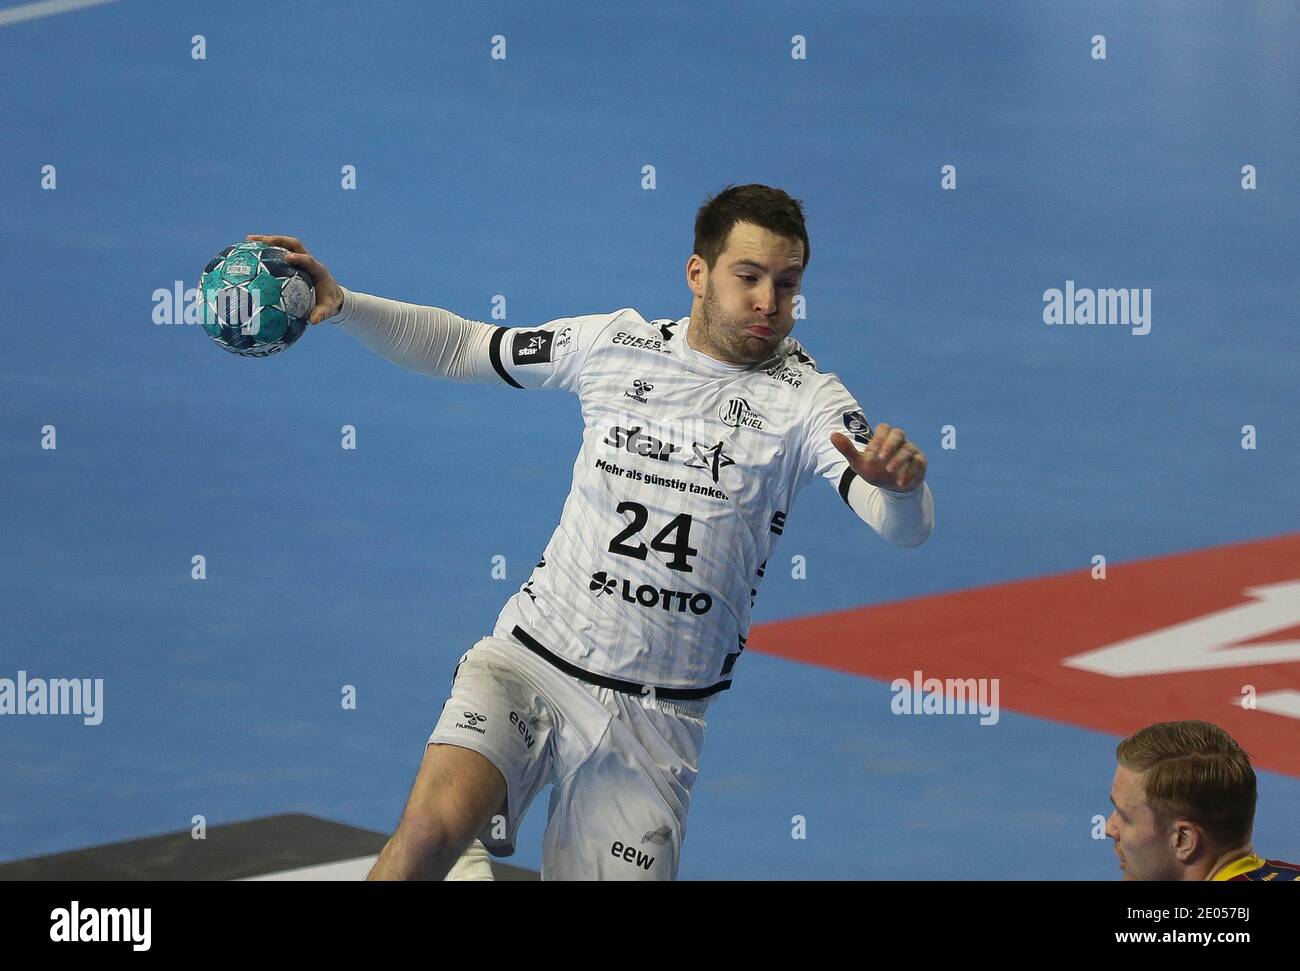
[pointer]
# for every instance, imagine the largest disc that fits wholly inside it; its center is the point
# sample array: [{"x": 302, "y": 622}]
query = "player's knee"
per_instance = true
[
  {"x": 420, "y": 849},
  {"x": 453, "y": 799},
  {"x": 426, "y": 841}
]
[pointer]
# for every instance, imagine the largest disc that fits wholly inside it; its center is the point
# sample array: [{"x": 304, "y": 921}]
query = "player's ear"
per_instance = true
[
  {"x": 695, "y": 273},
  {"x": 1185, "y": 839}
]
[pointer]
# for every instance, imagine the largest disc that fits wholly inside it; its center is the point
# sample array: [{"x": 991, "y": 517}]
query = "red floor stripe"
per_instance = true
[{"x": 1022, "y": 632}]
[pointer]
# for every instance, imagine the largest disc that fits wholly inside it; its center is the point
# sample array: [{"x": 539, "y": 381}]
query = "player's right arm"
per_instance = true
[{"x": 439, "y": 343}]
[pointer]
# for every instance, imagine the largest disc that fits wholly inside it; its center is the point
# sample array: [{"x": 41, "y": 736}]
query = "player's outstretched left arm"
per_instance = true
[{"x": 889, "y": 460}]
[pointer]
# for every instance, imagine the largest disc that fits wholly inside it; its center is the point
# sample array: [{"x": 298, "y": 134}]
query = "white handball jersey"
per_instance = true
[{"x": 687, "y": 473}]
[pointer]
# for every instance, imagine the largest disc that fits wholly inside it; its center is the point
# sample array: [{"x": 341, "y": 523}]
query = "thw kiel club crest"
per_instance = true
[{"x": 737, "y": 414}]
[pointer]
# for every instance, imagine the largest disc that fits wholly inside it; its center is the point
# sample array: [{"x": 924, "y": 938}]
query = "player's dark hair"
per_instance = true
[
  {"x": 773, "y": 209},
  {"x": 1195, "y": 770}
]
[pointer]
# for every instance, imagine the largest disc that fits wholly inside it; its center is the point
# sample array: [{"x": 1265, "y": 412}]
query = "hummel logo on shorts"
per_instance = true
[{"x": 473, "y": 718}]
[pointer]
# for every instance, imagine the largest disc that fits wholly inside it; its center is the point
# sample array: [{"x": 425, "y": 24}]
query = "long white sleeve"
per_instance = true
[
  {"x": 427, "y": 340},
  {"x": 901, "y": 518},
  {"x": 904, "y": 519}
]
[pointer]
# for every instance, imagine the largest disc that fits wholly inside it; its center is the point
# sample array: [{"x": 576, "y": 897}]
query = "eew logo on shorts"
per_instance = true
[
  {"x": 522, "y": 728},
  {"x": 630, "y": 854},
  {"x": 474, "y": 718}
]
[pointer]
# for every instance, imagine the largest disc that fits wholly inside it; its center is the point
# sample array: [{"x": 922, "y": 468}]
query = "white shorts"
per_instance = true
[{"x": 621, "y": 766}]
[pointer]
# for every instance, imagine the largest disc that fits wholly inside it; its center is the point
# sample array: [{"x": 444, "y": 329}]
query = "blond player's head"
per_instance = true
[
  {"x": 751, "y": 248},
  {"x": 1184, "y": 797}
]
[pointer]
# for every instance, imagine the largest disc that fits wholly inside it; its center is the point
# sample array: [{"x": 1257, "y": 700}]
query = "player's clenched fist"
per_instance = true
[
  {"x": 889, "y": 461},
  {"x": 329, "y": 296}
]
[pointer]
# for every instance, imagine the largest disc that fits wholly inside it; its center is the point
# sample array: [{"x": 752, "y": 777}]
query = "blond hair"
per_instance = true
[{"x": 1195, "y": 770}]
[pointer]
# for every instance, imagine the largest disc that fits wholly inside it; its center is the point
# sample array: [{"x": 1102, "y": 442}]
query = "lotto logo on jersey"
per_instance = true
[
  {"x": 648, "y": 595},
  {"x": 736, "y": 413},
  {"x": 856, "y": 424},
  {"x": 532, "y": 347}
]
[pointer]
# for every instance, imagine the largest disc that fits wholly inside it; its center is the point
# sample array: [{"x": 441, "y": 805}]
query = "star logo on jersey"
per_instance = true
[
  {"x": 532, "y": 347},
  {"x": 639, "y": 390},
  {"x": 710, "y": 458}
]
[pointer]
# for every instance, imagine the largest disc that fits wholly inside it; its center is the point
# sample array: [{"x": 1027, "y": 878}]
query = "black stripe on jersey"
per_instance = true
[
  {"x": 617, "y": 684},
  {"x": 846, "y": 480},
  {"x": 730, "y": 661},
  {"x": 494, "y": 353}
]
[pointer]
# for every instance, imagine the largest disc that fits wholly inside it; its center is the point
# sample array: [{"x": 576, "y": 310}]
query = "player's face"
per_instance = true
[
  {"x": 744, "y": 306},
  {"x": 1143, "y": 845}
]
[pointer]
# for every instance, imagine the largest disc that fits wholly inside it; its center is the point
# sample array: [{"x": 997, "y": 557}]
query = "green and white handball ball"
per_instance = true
[{"x": 255, "y": 303}]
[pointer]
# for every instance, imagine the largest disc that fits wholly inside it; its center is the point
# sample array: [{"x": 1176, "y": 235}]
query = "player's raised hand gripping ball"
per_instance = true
[
  {"x": 329, "y": 295},
  {"x": 889, "y": 460},
  {"x": 255, "y": 302}
]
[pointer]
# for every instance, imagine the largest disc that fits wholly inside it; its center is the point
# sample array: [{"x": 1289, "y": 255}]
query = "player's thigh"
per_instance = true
[
  {"x": 455, "y": 794},
  {"x": 500, "y": 712},
  {"x": 615, "y": 818}
]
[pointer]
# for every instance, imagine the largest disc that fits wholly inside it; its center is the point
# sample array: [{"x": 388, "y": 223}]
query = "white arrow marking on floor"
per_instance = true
[{"x": 1206, "y": 643}]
